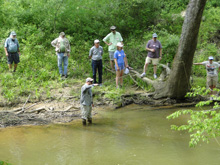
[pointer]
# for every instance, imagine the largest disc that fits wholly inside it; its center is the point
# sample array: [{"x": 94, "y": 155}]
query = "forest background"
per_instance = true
[{"x": 38, "y": 22}]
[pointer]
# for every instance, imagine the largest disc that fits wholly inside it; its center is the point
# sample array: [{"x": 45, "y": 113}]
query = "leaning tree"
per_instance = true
[{"x": 176, "y": 85}]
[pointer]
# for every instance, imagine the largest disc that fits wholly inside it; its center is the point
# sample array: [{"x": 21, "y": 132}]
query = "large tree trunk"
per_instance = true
[{"x": 178, "y": 84}]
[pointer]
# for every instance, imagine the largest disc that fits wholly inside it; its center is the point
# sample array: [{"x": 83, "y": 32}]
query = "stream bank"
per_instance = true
[{"x": 63, "y": 107}]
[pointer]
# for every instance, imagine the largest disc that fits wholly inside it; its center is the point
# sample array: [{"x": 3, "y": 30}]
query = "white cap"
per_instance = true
[
  {"x": 211, "y": 58},
  {"x": 89, "y": 79},
  {"x": 96, "y": 41},
  {"x": 119, "y": 44}
]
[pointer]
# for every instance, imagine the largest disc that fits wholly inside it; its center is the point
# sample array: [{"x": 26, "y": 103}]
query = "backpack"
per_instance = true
[{"x": 62, "y": 46}]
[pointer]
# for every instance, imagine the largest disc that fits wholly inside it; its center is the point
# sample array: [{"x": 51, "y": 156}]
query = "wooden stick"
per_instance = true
[{"x": 26, "y": 102}]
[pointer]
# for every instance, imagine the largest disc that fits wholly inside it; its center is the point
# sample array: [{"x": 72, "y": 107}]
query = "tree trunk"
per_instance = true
[{"x": 178, "y": 82}]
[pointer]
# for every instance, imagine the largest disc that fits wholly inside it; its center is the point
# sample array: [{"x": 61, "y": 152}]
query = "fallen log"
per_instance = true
[{"x": 36, "y": 110}]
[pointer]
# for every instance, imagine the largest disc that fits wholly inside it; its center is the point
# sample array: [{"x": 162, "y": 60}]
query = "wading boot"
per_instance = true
[
  {"x": 90, "y": 121},
  {"x": 84, "y": 122}
]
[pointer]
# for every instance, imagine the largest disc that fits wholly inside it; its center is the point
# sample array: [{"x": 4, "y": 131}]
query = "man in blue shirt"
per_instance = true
[{"x": 12, "y": 51}]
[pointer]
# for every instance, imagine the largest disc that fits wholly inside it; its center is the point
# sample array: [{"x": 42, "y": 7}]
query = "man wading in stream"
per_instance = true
[{"x": 86, "y": 101}]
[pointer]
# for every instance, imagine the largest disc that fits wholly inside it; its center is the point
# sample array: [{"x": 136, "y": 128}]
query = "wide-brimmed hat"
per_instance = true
[{"x": 112, "y": 27}]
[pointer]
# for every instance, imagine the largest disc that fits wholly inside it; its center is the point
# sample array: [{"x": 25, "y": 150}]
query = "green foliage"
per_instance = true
[
  {"x": 203, "y": 125},
  {"x": 4, "y": 163},
  {"x": 37, "y": 24}
]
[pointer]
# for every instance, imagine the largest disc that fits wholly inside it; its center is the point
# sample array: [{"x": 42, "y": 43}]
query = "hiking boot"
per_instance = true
[
  {"x": 65, "y": 76},
  {"x": 155, "y": 76},
  {"x": 142, "y": 75},
  {"x": 90, "y": 121},
  {"x": 84, "y": 122}
]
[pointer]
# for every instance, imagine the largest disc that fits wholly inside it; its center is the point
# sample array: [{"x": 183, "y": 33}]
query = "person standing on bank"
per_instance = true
[
  {"x": 12, "y": 51},
  {"x": 120, "y": 63},
  {"x": 95, "y": 54},
  {"x": 62, "y": 48},
  {"x": 86, "y": 101},
  {"x": 154, "y": 49},
  {"x": 111, "y": 40},
  {"x": 212, "y": 73}
]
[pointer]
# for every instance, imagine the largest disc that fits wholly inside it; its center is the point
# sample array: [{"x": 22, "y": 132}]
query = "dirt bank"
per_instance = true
[{"x": 66, "y": 108}]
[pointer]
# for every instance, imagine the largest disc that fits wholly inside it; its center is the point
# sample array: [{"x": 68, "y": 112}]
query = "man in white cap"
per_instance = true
[
  {"x": 154, "y": 49},
  {"x": 95, "y": 54},
  {"x": 111, "y": 40},
  {"x": 86, "y": 101},
  {"x": 62, "y": 48},
  {"x": 212, "y": 73},
  {"x": 12, "y": 51}
]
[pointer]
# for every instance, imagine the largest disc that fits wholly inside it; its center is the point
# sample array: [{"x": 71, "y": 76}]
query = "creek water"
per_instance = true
[{"x": 133, "y": 135}]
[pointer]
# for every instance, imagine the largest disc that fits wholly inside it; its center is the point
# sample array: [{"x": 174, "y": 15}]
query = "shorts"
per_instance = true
[
  {"x": 111, "y": 55},
  {"x": 13, "y": 57},
  {"x": 212, "y": 81},
  {"x": 121, "y": 67},
  {"x": 155, "y": 61}
]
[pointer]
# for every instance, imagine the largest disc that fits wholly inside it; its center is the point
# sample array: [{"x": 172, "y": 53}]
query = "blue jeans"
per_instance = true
[
  {"x": 62, "y": 59},
  {"x": 97, "y": 64}
]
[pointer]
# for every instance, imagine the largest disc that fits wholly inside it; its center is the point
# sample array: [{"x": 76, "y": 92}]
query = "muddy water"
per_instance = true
[{"x": 134, "y": 135}]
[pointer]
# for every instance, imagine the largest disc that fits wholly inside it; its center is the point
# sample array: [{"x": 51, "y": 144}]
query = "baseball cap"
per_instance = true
[
  {"x": 96, "y": 41},
  {"x": 112, "y": 28},
  {"x": 211, "y": 58},
  {"x": 13, "y": 33},
  {"x": 89, "y": 79},
  {"x": 62, "y": 34},
  {"x": 154, "y": 35},
  {"x": 119, "y": 44}
]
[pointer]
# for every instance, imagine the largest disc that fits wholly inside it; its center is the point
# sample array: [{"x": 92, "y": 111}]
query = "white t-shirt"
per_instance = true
[{"x": 211, "y": 68}]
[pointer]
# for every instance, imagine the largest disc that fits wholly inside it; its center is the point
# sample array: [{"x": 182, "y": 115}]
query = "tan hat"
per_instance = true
[
  {"x": 89, "y": 79},
  {"x": 112, "y": 28},
  {"x": 62, "y": 34}
]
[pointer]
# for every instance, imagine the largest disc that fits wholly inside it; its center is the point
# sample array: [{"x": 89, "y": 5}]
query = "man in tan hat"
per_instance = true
[
  {"x": 111, "y": 40},
  {"x": 86, "y": 101},
  {"x": 62, "y": 48}
]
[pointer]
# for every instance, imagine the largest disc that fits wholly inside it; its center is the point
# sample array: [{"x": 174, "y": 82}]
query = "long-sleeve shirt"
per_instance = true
[
  {"x": 86, "y": 95},
  {"x": 56, "y": 43}
]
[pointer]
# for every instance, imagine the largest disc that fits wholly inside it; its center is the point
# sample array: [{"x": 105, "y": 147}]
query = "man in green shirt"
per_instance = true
[{"x": 111, "y": 40}]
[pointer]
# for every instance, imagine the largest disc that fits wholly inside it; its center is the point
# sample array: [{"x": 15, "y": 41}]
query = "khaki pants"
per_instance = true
[
  {"x": 155, "y": 61},
  {"x": 86, "y": 112}
]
